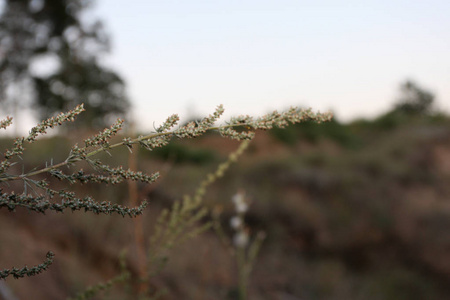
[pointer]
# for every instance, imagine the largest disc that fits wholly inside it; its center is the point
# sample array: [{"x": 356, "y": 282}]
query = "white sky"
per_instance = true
[{"x": 257, "y": 55}]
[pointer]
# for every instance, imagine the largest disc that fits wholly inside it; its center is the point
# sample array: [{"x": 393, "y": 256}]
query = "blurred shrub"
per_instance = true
[
  {"x": 313, "y": 132},
  {"x": 401, "y": 284},
  {"x": 182, "y": 153},
  {"x": 389, "y": 121}
]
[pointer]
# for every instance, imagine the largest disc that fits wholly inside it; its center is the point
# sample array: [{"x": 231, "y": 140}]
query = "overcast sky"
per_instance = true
[{"x": 257, "y": 55}]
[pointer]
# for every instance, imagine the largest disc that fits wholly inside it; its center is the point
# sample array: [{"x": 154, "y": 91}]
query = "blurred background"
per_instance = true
[{"x": 357, "y": 208}]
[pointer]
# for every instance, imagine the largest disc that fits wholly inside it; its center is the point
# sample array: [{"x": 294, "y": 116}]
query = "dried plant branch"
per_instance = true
[
  {"x": 173, "y": 226},
  {"x": 163, "y": 134},
  {"x": 25, "y": 271}
]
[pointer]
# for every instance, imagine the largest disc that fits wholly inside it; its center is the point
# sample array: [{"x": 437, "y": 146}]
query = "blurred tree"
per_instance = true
[
  {"x": 414, "y": 100},
  {"x": 49, "y": 61}
]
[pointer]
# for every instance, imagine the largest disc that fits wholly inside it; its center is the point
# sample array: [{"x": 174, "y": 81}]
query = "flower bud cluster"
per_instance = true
[
  {"x": 193, "y": 129},
  {"x": 81, "y": 177},
  {"x": 155, "y": 142},
  {"x": 76, "y": 154},
  {"x": 102, "y": 138},
  {"x": 243, "y": 127},
  {"x": 17, "y": 150},
  {"x": 229, "y": 132},
  {"x": 68, "y": 201},
  {"x": 169, "y": 123},
  {"x": 39, "y": 129},
  {"x": 292, "y": 116},
  {"x": 125, "y": 174},
  {"x": 4, "y": 165},
  {"x": 25, "y": 271},
  {"x": 209, "y": 121},
  {"x": 54, "y": 121},
  {"x": 5, "y": 123}
]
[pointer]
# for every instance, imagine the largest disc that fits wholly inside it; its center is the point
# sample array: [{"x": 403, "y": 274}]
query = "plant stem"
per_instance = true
[
  {"x": 242, "y": 273},
  {"x": 102, "y": 149}
]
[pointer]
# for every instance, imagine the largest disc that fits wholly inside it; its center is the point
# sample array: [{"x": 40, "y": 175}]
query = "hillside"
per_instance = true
[{"x": 356, "y": 211}]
